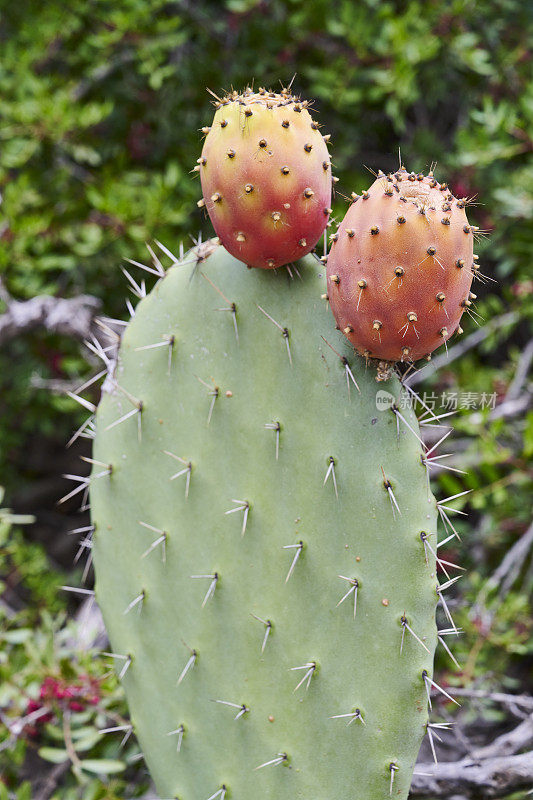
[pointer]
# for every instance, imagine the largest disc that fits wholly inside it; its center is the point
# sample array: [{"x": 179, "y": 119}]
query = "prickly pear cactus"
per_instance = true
[
  {"x": 401, "y": 267},
  {"x": 261, "y": 544},
  {"x": 266, "y": 177}
]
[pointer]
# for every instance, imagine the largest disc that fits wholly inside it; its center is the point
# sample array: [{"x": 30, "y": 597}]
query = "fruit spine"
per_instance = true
[
  {"x": 401, "y": 267},
  {"x": 266, "y": 177},
  {"x": 263, "y": 544}
]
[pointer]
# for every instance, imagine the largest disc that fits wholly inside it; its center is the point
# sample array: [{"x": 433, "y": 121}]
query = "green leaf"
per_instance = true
[
  {"x": 17, "y": 152},
  {"x": 54, "y": 732},
  {"x": 53, "y": 754},
  {"x": 18, "y": 636},
  {"x": 24, "y": 791},
  {"x": 88, "y": 741},
  {"x": 528, "y": 436},
  {"x": 103, "y": 766},
  {"x": 83, "y": 731}
]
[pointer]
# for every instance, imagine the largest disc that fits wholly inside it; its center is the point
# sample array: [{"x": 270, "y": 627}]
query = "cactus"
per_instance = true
[
  {"x": 266, "y": 177},
  {"x": 401, "y": 267},
  {"x": 264, "y": 543}
]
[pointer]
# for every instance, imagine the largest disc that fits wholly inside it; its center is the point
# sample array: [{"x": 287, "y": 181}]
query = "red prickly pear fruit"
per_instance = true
[
  {"x": 266, "y": 177},
  {"x": 401, "y": 267}
]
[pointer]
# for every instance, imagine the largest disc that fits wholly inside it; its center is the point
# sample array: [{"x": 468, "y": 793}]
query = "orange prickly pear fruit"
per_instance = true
[
  {"x": 401, "y": 266},
  {"x": 266, "y": 177}
]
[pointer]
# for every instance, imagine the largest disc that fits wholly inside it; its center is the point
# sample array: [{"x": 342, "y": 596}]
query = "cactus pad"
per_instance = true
[
  {"x": 266, "y": 178},
  {"x": 260, "y": 545},
  {"x": 401, "y": 267}
]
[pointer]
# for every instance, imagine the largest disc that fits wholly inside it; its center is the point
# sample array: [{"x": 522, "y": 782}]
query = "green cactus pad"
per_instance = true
[{"x": 242, "y": 450}]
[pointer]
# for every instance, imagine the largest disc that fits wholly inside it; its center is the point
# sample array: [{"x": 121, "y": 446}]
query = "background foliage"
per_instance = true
[{"x": 102, "y": 103}]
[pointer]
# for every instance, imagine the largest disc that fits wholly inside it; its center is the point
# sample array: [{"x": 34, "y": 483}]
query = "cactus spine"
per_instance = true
[{"x": 260, "y": 544}]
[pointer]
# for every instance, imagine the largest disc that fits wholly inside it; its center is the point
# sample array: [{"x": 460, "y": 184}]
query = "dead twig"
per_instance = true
[
  {"x": 462, "y": 347},
  {"x": 508, "y": 744},
  {"x": 505, "y": 575},
  {"x": 51, "y": 781},
  {"x": 471, "y": 778},
  {"x": 524, "y": 701},
  {"x": 72, "y": 317},
  {"x": 522, "y": 371}
]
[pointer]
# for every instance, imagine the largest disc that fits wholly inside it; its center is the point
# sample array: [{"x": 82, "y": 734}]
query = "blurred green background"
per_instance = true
[{"x": 101, "y": 106}]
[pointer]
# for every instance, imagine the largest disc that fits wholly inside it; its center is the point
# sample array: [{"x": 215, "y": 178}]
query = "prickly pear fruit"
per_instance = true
[
  {"x": 401, "y": 267},
  {"x": 264, "y": 544},
  {"x": 266, "y": 177}
]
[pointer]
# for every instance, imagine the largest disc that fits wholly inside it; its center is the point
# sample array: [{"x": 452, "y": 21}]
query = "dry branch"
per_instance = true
[
  {"x": 72, "y": 317},
  {"x": 512, "y": 701},
  {"x": 487, "y": 772},
  {"x": 445, "y": 359},
  {"x": 508, "y": 744},
  {"x": 471, "y": 778}
]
